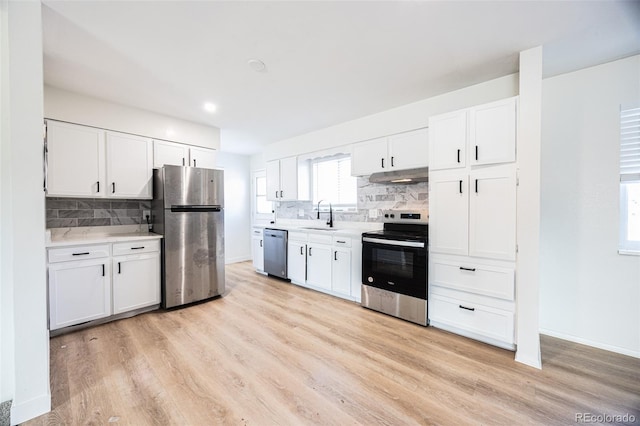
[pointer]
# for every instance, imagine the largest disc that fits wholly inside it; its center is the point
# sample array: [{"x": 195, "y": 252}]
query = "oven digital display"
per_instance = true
[{"x": 410, "y": 216}]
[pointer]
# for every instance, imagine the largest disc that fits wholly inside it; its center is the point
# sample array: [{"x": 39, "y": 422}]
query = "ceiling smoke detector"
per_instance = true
[{"x": 257, "y": 65}]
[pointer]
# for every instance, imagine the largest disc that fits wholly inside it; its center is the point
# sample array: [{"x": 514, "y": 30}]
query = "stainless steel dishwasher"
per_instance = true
[{"x": 275, "y": 252}]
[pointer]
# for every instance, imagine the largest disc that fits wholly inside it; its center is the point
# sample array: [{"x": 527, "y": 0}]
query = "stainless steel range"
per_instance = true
[{"x": 394, "y": 266}]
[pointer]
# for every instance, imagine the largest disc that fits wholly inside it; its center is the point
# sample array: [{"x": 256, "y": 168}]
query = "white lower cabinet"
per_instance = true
[
  {"x": 341, "y": 271},
  {"x": 473, "y": 297},
  {"x": 319, "y": 265},
  {"x": 100, "y": 285},
  {"x": 257, "y": 248},
  {"x": 135, "y": 282},
  {"x": 297, "y": 262},
  {"x": 79, "y": 291}
]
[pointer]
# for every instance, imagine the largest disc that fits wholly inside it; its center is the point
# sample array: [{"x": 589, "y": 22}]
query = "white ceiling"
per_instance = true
[{"x": 327, "y": 62}]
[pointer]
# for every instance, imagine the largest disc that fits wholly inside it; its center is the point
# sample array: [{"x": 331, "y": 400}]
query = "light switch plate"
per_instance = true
[
  {"x": 300, "y": 212},
  {"x": 373, "y": 213}
]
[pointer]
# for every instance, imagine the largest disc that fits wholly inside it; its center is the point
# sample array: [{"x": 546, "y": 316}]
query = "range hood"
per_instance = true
[{"x": 401, "y": 176}]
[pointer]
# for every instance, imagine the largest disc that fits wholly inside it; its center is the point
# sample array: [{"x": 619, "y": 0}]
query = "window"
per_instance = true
[
  {"x": 333, "y": 183},
  {"x": 630, "y": 180},
  {"x": 262, "y": 208}
]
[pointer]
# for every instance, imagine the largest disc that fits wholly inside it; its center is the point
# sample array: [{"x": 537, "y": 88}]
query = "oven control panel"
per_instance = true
[{"x": 406, "y": 216}]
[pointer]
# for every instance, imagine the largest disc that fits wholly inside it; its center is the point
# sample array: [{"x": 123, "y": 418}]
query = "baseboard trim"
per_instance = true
[
  {"x": 237, "y": 259},
  {"x": 575, "y": 339},
  {"x": 30, "y": 409}
]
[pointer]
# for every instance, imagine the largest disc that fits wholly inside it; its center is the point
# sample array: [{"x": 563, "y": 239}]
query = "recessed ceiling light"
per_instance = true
[
  {"x": 209, "y": 107},
  {"x": 257, "y": 65}
]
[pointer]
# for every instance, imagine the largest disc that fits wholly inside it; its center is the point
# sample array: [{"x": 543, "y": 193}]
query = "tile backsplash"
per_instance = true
[
  {"x": 73, "y": 212},
  {"x": 371, "y": 196}
]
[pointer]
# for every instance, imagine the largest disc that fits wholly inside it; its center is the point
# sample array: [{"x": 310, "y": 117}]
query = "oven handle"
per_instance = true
[{"x": 393, "y": 242}]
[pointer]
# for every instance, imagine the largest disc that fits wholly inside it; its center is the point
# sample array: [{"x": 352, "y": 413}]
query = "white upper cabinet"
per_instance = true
[
  {"x": 85, "y": 161},
  {"x": 492, "y": 132},
  {"x": 369, "y": 157},
  {"x": 75, "y": 157},
  {"x": 402, "y": 151},
  {"x": 169, "y": 153},
  {"x": 409, "y": 150},
  {"x": 176, "y": 154},
  {"x": 282, "y": 180},
  {"x": 448, "y": 141},
  {"x": 486, "y": 134},
  {"x": 202, "y": 157},
  {"x": 129, "y": 166}
]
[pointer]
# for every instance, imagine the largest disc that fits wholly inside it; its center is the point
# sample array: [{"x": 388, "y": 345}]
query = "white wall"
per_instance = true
[
  {"x": 23, "y": 214},
  {"x": 588, "y": 292},
  {"x": 76, "y": 108},
  {"x": 406, "y": 117},
  {"x": 237, "y": 206}
]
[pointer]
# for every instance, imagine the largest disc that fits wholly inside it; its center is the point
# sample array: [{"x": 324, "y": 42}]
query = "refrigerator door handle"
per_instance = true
[{"x": 194, "y": 209}]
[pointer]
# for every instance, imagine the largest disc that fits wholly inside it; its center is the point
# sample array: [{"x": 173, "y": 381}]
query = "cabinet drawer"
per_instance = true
[
  {"x": 319, "y": 238},
  {"x": 136, "y": 247},
  {"x": 475, "y": 278},
  {"x": 257, "y": 232},
  {"x": 342, "y": 241},
  {"x": 66, "y": 254},
  {"x": 474, "y": 318}
]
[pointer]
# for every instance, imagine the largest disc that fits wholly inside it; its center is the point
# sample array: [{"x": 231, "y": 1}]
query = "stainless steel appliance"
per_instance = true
[
  {"x": 275, "y": 252},
  {"x": 188, "y": 209},
  {"x": 394, "y": 267}
]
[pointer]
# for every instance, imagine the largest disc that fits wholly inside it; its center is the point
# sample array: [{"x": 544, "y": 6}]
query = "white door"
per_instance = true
[
  {"x": 297, "y": 262},
  {"x": 289, "y": 179},
  {"x": 409, "y": 150},
  {"x": 273, "y": 180},
  {"x": 341, "y": 271},
  {"x": 202, "y": 157},
  {"x": 492, "y": 132},
  {"x": 319, "y": 266},
  {"x": 136, "y": 282},
  {"x": 492, "y": 213},
  {"x": 448, "y": 213},
  {"x": 448, "y": 140},
  {"x": 79, "y": 292},
  {"x": 129, "y": 166},
  {"x": 169, "y": 153},
  {"x": 369, "y": 157},
  {"x": 75, "y": 158},
  {"x": 257, "y": 252}
]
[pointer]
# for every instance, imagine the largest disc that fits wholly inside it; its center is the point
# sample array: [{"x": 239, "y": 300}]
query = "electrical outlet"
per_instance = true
[{"x": 145, "y": 214}]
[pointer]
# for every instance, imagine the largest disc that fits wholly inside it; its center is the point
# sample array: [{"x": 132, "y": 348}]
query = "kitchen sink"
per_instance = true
[{"x": 319, "y": 229}]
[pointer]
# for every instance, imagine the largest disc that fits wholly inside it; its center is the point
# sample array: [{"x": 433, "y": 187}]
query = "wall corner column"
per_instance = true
[{"x": 528, "y": 210}]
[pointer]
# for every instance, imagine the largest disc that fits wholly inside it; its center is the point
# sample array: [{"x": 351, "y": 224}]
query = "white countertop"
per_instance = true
[
  {"x": 61, "y": 237},
  {"x": 349, "y": 230}
]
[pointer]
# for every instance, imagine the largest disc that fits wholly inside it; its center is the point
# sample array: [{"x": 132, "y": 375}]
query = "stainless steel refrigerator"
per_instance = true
[{"x": 188, "y": 209}]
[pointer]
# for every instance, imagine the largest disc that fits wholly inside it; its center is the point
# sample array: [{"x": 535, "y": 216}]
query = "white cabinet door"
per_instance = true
[
  {"x": 273, "y": 180},
  {"x": 257, "y": 252},
  {"x": 492, "y": 132},
  {"x": 409, "y": 150},
  {"x": 75, "y": 160},
  {"x": 297, "y": 262},
  {"x": 202, "y": 157},
  {"x": 319, "y": 265},
  {"x": 170, "y": 153},
  {"x": 448, "y": 140},
  {"x": 492, "y": 213},
  {"x": 341, "y": 271},
  {"x": 129, "y": 166},
  {"x": 369, "y": 157},
  {"x": 448, "y": 213},
  {"x": 78, "y": 292},
  {"x": 136, "y": 282},
  {"x": 289, "y": 179}
]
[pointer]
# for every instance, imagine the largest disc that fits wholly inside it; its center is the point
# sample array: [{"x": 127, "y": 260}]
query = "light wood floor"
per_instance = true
[{"x": 269, "y": 352}]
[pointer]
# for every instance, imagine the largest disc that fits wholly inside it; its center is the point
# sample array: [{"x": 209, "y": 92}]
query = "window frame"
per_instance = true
[
  {"x": 257, "y": 216},
  {"x": 629, "y": 169},
  {"x": 324, "y": 207}
]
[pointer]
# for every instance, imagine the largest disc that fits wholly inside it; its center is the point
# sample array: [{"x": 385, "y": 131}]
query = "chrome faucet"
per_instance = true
[{"x": 330, "y": 221}]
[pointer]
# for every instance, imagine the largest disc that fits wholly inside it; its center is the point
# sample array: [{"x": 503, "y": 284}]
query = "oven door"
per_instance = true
[{"x": 396, "y": 266}]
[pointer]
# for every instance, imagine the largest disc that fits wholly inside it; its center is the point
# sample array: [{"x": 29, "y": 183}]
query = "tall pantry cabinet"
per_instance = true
[{"x": 472, "y": 221}]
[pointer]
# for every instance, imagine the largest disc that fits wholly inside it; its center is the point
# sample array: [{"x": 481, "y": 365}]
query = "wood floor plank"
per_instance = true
[{"x": 272, "y": 353}]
